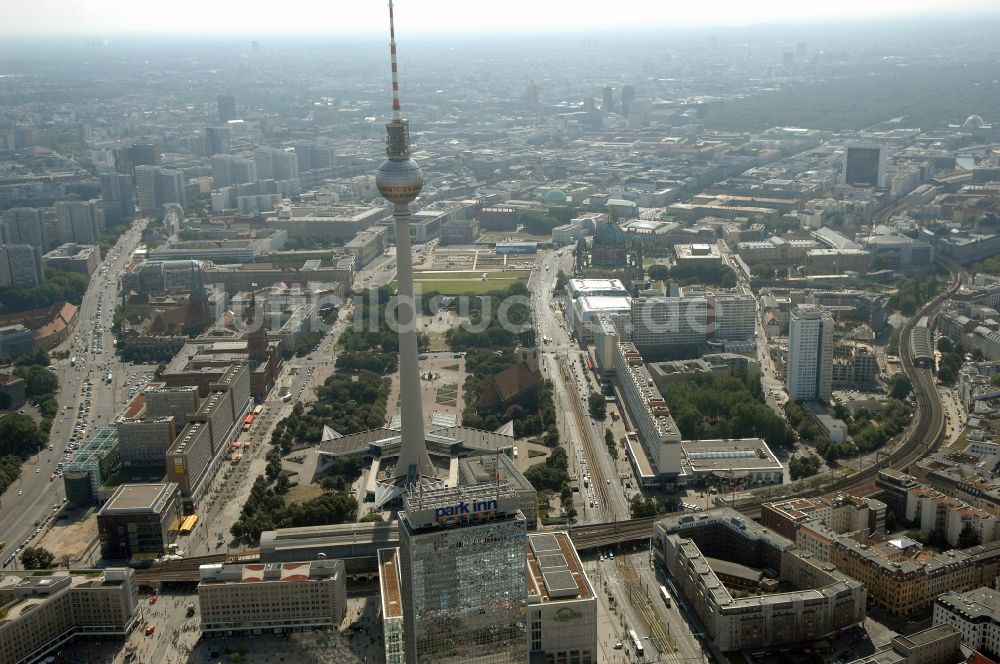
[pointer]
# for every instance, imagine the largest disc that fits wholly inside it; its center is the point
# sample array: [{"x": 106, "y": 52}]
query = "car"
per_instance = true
[
  {"x": 20, "y": 492},
  {"x": 152, "y": 599},
  {"x": 618, "y": 646},
  {"x": 150, "y": 628}
]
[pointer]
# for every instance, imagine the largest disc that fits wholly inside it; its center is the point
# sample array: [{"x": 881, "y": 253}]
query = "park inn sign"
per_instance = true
[{"x": 566, "y": 614}]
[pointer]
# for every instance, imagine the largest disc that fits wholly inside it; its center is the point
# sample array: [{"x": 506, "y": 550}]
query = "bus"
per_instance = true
[
  {"x": 665, "y": 594},
  {"x": 636, "y": 643}
]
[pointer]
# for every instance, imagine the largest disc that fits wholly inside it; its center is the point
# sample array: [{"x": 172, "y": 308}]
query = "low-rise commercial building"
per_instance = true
[
  {"x": 745, "y": 461},
  {"x": 237, "y": 600},
  {"x": 562, "y": 605},
  {"x": 366, "y": 246},
  {"x": 140, "y": 521},
  {"x": 42, "y": 612}
]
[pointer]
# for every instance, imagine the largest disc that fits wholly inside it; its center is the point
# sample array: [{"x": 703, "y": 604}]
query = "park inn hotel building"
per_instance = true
[{"x": 467, "y": 584}]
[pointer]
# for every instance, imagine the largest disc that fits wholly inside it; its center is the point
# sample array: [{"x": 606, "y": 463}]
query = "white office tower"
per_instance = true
[
  {"x": 810, "y": 353},
  {"x": 463, "y": 576},
  {"x": 399, "y": 180}
]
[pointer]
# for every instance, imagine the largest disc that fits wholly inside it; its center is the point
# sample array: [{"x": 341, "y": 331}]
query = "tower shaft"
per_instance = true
[{"x": 413, "y": 458}]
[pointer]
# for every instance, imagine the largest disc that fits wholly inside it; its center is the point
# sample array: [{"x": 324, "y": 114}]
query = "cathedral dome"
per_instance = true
[
  {"x": 555, "y": 196},
  {"x": 610, "y": 234}
]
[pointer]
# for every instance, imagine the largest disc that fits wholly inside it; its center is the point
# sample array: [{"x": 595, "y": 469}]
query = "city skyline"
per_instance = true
[{"x": 449, "y": 16}]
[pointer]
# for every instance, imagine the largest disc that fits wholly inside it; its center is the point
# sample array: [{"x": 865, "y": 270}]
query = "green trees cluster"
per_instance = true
[
  {"x": 10, "y": 469},
  {"x": 648, "y": 506},
  {"x": 553, "y": 474},
  {"x": 59, "y": 286},
  {"x": 308, "y": 344},
  {"x": 36, "y": 557},
  {"x": 266, "y": 509},
  {"x": 538, "y": 223},
  {"x": 900, "y": 386},
  {"x": 714, "y": 406},
  {"x": 870, "y": 433},
  {"x": 710, "y": 274},
  {"x": 913, "y": 292},
  {"x": 513, "y": 303},
  {"x": 803, "y": 466},
  {"x": 952, "y": 357},
  {"x": 597, "y": 407}
]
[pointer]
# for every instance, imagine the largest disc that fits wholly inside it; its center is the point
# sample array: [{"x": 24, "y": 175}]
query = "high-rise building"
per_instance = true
[
  {"x": 79, "y": 221},
  {"x": 809, "y": 374},
  {"x": 462, "y": 568},
  {"x": 628, "y": 98},
  {"x": 25, "y": 226},
  {"x": 531, "y": 96},
  {"x": 158, "y": 186},
  {"x": 21, "y": 266},
  {"x": 216, "y": 140},
  {"x": 864, "y": 165},
  {"x": 275, "y": 164},
  {"x": 608, "y": 100},
  {"x": 119, "y": 189},
  {"x": 137, "y": 154},
  {"x": 227, "y": 108}
]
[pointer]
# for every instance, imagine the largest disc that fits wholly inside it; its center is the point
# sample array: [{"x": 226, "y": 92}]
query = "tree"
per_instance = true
[
  {"x": 159, "y": 371},
  {"x": 371, "y": 517},
  {"x": 659, "y": 272},
  {"x": 36, "y": 557},
  {"x": 945, "y": 345},
  {"x": 900, "y": 387},
  {"x": 597, "y": 406},
  {"x": 968, "y": 537}
]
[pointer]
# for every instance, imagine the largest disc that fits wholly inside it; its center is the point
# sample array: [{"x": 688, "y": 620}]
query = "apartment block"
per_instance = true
[
  {"x": 238, "y": 600},
  {"x": 21, "y": 266},
  {"x": 43, "y": 612},
  {"x": 976, "y": 616},
  {"x": 657, "y": 430},
  {"x": 824, "y": 601}
]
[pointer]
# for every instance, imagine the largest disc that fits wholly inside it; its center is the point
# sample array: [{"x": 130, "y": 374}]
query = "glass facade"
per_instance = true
[{"x": 464, "y": 592}]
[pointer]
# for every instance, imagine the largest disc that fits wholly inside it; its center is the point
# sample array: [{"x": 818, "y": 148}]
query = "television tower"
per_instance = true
[{"x": 399, "y": 180}]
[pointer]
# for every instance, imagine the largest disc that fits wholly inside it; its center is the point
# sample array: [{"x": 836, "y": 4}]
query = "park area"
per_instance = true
[{"x": 466, "y": 282}]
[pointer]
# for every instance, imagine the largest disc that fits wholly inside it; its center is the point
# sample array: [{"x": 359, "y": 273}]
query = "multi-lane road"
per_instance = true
[
  {"x": 565, "y": 366},
  {"x": 31, "y": 499}
]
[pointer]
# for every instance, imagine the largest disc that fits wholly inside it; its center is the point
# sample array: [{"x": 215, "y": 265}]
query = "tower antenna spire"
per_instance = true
[{"x": 395, "y": 76}]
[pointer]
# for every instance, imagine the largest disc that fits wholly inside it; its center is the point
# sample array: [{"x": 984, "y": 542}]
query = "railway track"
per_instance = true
[{"x": 928, "y": 425}]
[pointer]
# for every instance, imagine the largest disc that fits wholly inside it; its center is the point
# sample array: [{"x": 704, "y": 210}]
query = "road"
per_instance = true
[
  {"x": 564, "y": 364},
  {"x": 92, "y": 332}
]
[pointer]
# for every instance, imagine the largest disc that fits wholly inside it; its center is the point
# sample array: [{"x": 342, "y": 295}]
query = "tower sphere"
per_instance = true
[{"x": 399, "y": 180}]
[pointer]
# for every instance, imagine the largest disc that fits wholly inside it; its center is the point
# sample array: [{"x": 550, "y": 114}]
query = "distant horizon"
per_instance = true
[{"x": 435, "y": 18}]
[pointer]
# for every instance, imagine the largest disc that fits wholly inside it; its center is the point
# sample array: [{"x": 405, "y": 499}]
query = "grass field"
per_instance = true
[
  {"x": 464, "y": 283},
  {"x": 301, "y": 493}
]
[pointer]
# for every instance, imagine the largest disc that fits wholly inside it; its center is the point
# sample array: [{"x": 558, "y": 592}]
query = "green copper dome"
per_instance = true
[{"x": 555, "y": 196}]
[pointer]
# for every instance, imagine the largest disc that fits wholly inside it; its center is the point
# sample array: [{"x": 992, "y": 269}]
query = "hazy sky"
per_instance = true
[{"x": 263, "y": 17}]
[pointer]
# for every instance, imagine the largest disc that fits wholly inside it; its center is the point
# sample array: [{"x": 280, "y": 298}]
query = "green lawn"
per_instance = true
[
  {"x": 301, "y": 493},
  {"x": 465, "y": 283}
]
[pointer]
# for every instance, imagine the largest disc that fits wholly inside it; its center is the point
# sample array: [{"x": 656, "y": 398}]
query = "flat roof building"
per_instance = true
[
  {"x": 238, "y": 600},
  {"x": 139, "y": 521},
  {"x": 745, "y": 461},
  {"x": 562, "y": 605},
  {"x": 43, "y": 612}
]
